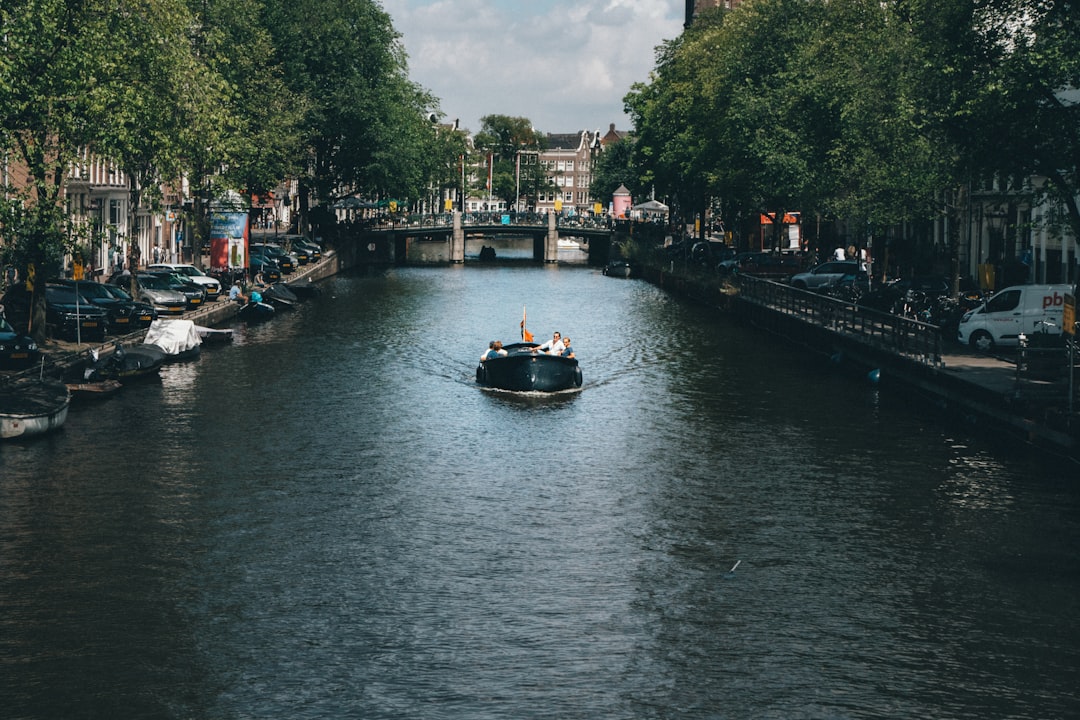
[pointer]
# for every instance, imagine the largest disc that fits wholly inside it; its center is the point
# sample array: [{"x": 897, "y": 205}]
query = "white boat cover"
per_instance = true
[{"x": 173, "y": 336}]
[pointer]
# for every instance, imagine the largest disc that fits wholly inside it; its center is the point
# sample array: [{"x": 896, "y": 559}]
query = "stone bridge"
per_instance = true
[{"x": 392, "y": 242}]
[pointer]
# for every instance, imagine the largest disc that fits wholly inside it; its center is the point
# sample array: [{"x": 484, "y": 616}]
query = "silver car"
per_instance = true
[
  {"x": 156, "y": 291},
  {"x": 193, "y": 274}
]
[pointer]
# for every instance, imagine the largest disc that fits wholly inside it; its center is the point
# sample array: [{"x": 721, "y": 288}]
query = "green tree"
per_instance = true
[
  {"x": 59, "y": 79},
  {"x": 613, "y": 167},
  {"x": 1021, "y": 115},
  {"x": 364, "y": 121},
  {"x": 503, "y": 137},
  {"x": 794, "y": 104}
]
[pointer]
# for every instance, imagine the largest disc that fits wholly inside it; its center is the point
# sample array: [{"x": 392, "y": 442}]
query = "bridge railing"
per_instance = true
[
  {"x": 473, "y": 219},
  {"x": 585, "y": 222},
  {"x": 892, "y": 333}
]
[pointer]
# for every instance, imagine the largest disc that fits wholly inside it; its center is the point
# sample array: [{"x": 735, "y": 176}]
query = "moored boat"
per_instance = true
[
  {"x": 256, "y": 312},
  {"x": 32, "y": 407},
  {"x": 93, "y": 390},
  {"x": 280, "y": 296},
  {"x": 178, "y": 339},
  {"x": 214, "y": 335},
  {"x": 128, "y": 364},
  {"x": 618, "y": 268},
  {"x": 523, "y": 368}
]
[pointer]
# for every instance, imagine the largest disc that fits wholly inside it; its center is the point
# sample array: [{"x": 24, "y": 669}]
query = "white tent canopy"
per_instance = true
[{"x": 651, "y": 206}]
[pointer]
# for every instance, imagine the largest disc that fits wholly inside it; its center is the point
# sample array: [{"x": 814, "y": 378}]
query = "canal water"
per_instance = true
[{"x": 329, "y": 519}]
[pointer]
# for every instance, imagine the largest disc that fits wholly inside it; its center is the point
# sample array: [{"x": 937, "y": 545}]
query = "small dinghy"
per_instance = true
[
  {"x": 256, "y": 312},
  {"x": 32, "y": 407},
  {"x": 93, "y": 390},
  {"x": 214, "y": 336},
  {"x": 127, "y": 364}
]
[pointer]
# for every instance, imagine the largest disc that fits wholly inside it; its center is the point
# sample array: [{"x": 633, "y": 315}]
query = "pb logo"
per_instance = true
[{"x": 1055, "y": 300}]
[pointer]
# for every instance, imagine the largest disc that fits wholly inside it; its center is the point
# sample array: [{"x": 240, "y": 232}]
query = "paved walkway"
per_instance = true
[{"x": 998, "y": 373}]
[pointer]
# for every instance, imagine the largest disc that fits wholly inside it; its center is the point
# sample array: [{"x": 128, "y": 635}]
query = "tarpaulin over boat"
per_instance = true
[{"x": 173, "y": 336}]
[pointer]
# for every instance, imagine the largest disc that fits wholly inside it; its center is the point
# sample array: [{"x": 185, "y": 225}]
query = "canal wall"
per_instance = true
[
  {"x": 984, "y": 394},
  {"x": 66, "y": 360}
]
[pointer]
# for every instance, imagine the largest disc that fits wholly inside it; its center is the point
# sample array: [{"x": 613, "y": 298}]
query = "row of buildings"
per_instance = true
[{"x": 567, "y": 163}]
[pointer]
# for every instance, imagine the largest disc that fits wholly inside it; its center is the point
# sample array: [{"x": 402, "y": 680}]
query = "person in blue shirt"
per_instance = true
[
  {"x": 236, "y": 293},
  {"x": 567, "y": 352},
  {"x": 495, "y": 349}
]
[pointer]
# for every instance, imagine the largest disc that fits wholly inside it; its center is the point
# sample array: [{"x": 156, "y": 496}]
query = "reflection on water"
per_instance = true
[{"x": 329, "y": 518}]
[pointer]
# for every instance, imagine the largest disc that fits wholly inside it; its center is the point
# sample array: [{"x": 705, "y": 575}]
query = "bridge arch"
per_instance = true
[{"x": 444, "y": 235}]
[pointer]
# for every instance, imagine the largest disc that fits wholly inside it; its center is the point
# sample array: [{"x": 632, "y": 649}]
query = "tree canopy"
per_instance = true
[{"x": 861, "y": 109}]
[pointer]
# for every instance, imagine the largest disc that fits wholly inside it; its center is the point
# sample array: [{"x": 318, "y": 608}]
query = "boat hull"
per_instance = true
[
  {"x": 523, "y": 370},
  {"x": 35, "y": 408},
  {"x": 130, "y": 364}
]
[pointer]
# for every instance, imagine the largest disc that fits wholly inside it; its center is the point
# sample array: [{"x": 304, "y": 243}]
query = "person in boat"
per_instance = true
[
  {"x": 553, "y": 346},
  {"x": 255, "y": 297},
  {"x": 567, "y": 352},
  {"x": 495, "y": 349}
]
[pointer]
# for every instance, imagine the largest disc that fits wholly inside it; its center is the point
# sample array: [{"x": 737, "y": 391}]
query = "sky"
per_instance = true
[{"x": 563, "y": 64}]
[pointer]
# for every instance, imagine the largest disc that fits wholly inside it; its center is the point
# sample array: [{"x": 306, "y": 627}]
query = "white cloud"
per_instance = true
[{"x": 564, "y": 65}]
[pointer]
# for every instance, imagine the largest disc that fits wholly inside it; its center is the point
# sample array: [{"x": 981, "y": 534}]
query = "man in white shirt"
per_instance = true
[{"x": 554, "y": 345}]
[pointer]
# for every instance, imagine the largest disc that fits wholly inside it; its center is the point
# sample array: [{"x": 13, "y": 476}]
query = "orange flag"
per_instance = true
[{"x": 525, "y": 334}]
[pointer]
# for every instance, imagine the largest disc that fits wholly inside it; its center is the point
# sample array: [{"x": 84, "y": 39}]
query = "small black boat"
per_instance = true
[
  {"x": 128, "y": 364},
  {"x": 523, "y": 368},
  {"x": 618, "y": 268},
  {"x": 256, "y": 312},
  {"x": 280, "y": 296}
]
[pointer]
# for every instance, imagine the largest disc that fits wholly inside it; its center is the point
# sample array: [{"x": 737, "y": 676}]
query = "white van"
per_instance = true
[{"x": 1020, "y": 309}]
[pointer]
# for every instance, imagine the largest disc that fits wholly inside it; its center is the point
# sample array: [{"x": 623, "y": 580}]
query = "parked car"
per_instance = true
[
  {"x": 313, "y": 249},
  {"x": 827, "y": 273},
  {"x": 155, "y": 291},
  {"x": 294, "y": 245},
  {"x": 711, "y": 253},
  {"x": 286, "y": 262},
  {"x": 770, "y": 265},
  {"x": 731, "y": 264},
  {"x": 261, "y": 262},
  {"x": 147, "y": 314},
  {"x": 67, "y": 315},
  {"x": 71, "y": 316},
  {"x": 194, "y": 294},
  {"x": 193, "y": 274},
  {"x": 124, "y": 314},
  {"x": 17, "y": 351}
]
